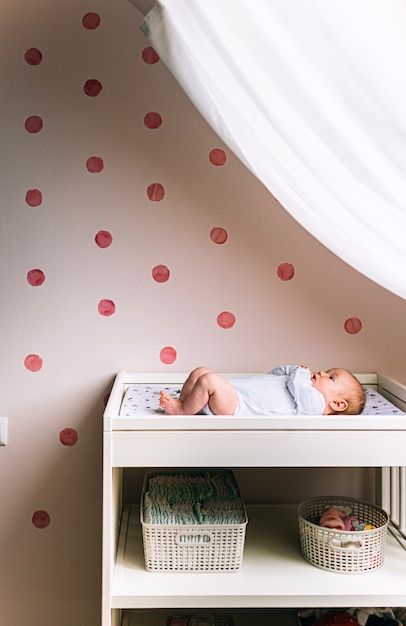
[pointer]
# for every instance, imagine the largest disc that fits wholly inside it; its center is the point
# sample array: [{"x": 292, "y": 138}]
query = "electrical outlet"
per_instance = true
[{"x": 3, "y": 430}]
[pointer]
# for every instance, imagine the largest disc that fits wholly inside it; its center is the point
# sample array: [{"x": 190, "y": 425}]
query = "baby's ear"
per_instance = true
[{"x": 338, "y": 406}]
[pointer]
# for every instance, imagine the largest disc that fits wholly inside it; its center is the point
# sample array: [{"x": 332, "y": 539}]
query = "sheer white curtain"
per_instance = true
[{"x": 311, "y": 96}]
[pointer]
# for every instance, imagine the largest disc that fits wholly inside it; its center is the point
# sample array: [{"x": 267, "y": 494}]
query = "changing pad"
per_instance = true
[
  {"x": 376, "y": 404},
  {"x": 143, "y": 399}
]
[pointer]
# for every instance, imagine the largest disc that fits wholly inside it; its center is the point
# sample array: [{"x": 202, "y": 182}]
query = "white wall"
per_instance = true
[{"x": 52, "y": 575}]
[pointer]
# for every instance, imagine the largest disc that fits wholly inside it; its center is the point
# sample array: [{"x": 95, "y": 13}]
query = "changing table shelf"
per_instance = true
[{"x": 273, "y": 574}]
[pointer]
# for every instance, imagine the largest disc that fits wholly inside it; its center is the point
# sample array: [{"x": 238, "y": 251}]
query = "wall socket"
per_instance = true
[{"x": 3, "y": 430}]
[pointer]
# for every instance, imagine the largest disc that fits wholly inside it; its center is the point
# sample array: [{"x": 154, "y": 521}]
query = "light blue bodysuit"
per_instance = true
[{"x": 286, "y": 390}]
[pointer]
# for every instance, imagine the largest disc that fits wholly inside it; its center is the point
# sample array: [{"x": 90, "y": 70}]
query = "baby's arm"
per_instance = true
[
  {"x": 283, "y": 370},
  {"x": 308, "y": 399}
]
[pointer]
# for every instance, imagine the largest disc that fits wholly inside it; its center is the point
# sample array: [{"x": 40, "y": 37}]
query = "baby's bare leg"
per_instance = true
[
  {"x": 209, "y": 388},
  {"x": 191, "y": 381},
  {"x": 174, "y": 406}
]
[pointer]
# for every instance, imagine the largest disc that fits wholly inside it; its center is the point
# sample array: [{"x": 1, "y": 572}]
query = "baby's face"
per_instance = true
[{"x": 332, "y": 383}]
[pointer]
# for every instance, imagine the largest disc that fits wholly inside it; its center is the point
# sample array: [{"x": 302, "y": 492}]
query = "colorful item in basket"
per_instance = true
[
  {"x": 341, "y": 518},
  {"x": 350, "y": 617}
]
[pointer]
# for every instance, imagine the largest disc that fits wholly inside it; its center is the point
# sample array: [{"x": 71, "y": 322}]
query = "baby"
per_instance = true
[{"x": 286, "y": 390}]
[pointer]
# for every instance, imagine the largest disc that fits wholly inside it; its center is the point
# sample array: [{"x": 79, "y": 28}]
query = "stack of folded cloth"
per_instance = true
[{"x": 192, "y": 499}]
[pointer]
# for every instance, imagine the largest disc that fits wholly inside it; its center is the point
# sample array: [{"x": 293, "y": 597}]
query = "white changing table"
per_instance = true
[{"x": 274, "y": 576}]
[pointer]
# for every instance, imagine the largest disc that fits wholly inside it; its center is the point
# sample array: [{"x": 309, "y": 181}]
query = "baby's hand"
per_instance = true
[{"x": 306, "y": 367}]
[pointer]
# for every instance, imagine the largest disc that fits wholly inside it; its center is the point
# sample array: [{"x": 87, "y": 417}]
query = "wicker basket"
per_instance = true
[
  {"x": 353, "y": 552},
  {"x": 194, "y": 547}
]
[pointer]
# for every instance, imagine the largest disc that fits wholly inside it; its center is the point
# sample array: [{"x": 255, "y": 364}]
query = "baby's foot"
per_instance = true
[{"x": 170, "y": 405}]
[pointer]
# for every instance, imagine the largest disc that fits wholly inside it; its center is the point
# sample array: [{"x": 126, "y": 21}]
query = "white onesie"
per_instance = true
[{"x": 286, "y": 390}]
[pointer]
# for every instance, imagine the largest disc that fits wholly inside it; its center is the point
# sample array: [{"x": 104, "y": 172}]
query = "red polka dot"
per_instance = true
[
  {"x": 152, "y": 120},
  {"x": 91, "y": 21},
  {"x": 33, "y": 124},
  {"x": 103, "y": 239},
  {"x": 155, "y": 192},
  {"x": 33, "y": 362},
  {"x": 106, "y": 308},
  {"x": 68, "y": 436},
  {"x": 150, "y": 56},
  {"x": 168, "y": 355},
  {"x": 353, "y": 325},
  {"x": 218, "y": 235},
  {"x": 285, "y": 271},
  {"x": 33, "y": 197},
  {"x": 33, "y": 56},
  {"x": 217, "y": 157},
  {"x": 41, "y": 519},
  {"x": 94, "y": 164},
  {"x": 160, "y": 273},
  {"x": 226, "y": 319},
  {"x": 92, "y": 87},
  {"x": 35, "y": 277}
]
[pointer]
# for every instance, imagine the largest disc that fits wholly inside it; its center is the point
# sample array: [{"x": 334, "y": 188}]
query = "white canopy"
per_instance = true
[{"x": 311, "y": 96}]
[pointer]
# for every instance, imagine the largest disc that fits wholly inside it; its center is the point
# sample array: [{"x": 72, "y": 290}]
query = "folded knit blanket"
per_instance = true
[{"x": 192, "y": 499}]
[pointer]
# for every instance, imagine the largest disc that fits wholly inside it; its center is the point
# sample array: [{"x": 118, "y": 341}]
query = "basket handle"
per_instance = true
[
  {"x": 347, "y": 542},
  {"x": 200, "y": 538}
]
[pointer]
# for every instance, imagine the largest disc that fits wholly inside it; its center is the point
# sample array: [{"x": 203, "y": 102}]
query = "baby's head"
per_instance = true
[{"x": 341, "y": 390}]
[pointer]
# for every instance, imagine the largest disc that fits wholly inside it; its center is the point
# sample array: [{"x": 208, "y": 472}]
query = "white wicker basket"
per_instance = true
[
  {"x": 353, "y": 552},
  {"x": 194, "y": 547}
]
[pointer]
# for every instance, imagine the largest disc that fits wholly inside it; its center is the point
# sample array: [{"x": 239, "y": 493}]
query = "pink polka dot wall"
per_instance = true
[
  {"x": 131, "y": 238},
  {"x": 155, "y": 192}
]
